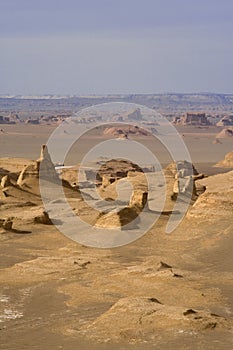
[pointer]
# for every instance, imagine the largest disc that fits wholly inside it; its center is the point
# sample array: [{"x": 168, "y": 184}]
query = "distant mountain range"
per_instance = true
[{"x": 168, "y": 103}]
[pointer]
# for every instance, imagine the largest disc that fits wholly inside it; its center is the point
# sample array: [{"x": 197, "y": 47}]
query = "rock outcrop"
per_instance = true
[
  {"x": 43, "y": 218},
  {"x": 194, "y": 119},
  {"x": 117, "y": 220},
  {"x": 135, "y": 115},
  {"x": 7, "y": 120},
  {"x": 126, "y": 130},
  {"x": 45, "y": 165},
  {"x": 183, "y": 167},
  {"x": 226, "y": 121},
  {"x": 139, "y": 200},
  {"x": 114, "y": 170},
  {"x": 29, "y": 171},
  {"x": 216, "y": 202},
  {"x": 7, "y": 224},
  {"x": 227, "y": 162},
  {"x": 134, "y": 317},
  {"x": 43, "y": 168},
  {"x": 185, "y": 175},
  {"x": 13, "y": 166},
  {"x": 127, "y": 215},
  {"x": 5, "y": 181},
  {"x": 225, "y": 133}
]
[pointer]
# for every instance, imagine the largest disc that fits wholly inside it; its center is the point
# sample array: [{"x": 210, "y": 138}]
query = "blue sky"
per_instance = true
[{"x": 115, "y": 46}]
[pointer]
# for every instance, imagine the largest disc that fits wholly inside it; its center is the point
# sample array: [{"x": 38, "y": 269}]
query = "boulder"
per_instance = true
[
  {"x": 7, "y": 224},
  {"x": 43, "y": 219}
]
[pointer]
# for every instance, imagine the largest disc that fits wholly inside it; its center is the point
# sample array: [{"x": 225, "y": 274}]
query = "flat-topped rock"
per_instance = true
[{"x": 194, "y": 119}]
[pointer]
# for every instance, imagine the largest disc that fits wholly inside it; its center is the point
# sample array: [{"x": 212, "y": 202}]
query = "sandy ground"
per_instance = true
[
  {"x": 58, "y": 294},
  {"x": 24, "y": 140}
]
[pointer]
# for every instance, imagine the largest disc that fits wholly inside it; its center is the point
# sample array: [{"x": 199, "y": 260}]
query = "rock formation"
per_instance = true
[
  {"x": 139, "y": 200},
  {"x": 5, "y": 181},
  {"x": 45, "y": 165},
  {"x": 7, "y": 224},
  {"x": 118, "y": 219},
  {"x": 218, "y": 194},
  {"x": 185, "y": 175},
  {"x": 7, "y": 120},
  {"x": 135, "y": 115},
  {"x": 127, "y": 215},
  {"x": 114, "y": 170},
  {"x": 43, "y": 168},
  {"x": 195, "y": 119},
  {"x": 216, "y": 141},
  {"x": 183, "y": 167},
  {"x": 43, "y": 218},
  {"x": 226, "y": 121},
  {"x": 227, "y": 162},
  {"x": 29, "y": 171},
  {"x": 126, "y": 130},
  {"x": 133, "y": 317},
  {"x": 225, "y": 133}
]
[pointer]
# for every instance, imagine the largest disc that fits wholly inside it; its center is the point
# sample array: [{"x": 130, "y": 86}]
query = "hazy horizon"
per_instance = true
[
  {"x": 77, "y": 47},
  {"x": 8, "y": 95}
]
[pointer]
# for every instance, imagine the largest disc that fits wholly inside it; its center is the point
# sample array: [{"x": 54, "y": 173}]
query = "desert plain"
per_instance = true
[{"x": 162, "y": 291}]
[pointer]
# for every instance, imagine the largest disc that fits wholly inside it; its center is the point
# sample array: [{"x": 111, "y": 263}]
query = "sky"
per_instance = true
[{"x": 86, "y": 47}]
